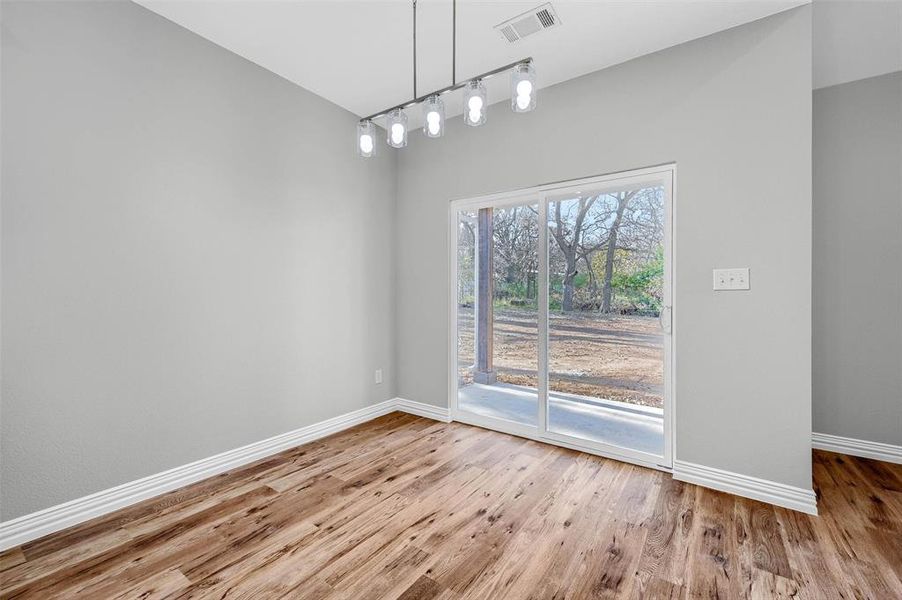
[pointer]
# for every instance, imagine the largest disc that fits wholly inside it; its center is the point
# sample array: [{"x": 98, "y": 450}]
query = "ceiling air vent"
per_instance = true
[{"x": 534, "y": 21}]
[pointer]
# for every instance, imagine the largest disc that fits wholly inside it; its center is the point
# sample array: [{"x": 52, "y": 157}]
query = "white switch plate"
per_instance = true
[
  {"x": 378, "y": 376},
  {"x": 731, "y": 279}
]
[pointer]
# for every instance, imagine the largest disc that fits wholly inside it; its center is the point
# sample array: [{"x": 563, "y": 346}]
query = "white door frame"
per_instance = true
[{"x": 664, "y": 175}]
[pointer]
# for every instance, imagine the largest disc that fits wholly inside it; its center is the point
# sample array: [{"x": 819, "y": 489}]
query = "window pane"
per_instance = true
[
  {"x": 498, "y": 313},
  {"x": 605, "y": 344}
]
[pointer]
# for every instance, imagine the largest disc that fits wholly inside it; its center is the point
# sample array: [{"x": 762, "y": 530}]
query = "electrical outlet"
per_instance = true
[
  {"x": 378, "y": 376},
  {"x": 731, "y": 279}
]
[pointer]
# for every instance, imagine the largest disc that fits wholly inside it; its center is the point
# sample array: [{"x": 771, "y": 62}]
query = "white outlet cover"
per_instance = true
[{"x": 731, "y": 279}]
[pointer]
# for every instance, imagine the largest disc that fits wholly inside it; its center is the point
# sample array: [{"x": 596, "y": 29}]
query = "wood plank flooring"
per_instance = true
[{"x": 404, "y": 507}]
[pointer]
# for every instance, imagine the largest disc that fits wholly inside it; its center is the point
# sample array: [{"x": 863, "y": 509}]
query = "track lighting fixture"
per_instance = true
[{"x": 475, "y": 99}]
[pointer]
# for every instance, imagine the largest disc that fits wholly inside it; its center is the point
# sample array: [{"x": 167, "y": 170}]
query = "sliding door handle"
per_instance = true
[{"x": 665, "y": 316}]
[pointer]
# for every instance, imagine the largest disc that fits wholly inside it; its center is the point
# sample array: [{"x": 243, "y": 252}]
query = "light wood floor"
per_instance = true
[{"x": 404, "y": 507}]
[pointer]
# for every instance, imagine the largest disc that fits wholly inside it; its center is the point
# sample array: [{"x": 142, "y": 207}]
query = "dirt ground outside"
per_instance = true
[{"x": 615, "y": 357}]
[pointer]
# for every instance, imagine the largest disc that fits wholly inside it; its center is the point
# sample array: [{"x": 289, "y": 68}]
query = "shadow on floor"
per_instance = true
[{"x": 618, "y": 423}]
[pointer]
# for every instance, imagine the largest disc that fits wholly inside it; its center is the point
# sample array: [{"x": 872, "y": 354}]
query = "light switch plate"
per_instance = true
[{"x": 731, "y": 279}]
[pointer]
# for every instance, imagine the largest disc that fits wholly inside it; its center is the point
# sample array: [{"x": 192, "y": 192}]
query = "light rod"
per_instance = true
[
  {"x": 450, "y": 88},
  {"x": 414, "y": 47},
  {"x": 453, "y": 42}
]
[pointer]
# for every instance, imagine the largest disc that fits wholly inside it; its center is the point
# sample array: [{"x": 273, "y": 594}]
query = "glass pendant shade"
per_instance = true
[
  {"x": 523, "y": 88},
  {"x": 366, "y": 139},
  {"x": 433, "y": 117},
  {"x": 396, "y": 126},
  {"x": 474, "y": 103}
]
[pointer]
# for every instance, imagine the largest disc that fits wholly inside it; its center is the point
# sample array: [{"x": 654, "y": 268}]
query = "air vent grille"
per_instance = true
[
  {"x": 509, "y": 33},
  {"x": 546, "y": 18},
  {"x": 538, "y": 19}
]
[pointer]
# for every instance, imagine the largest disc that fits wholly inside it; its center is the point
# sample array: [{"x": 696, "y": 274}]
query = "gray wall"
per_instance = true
[
  {"x": 734, "y": 111},
  {"x": 172, "y": 286},
  {"x": 857, "y": 367},
  {"x": 193, "y": 258}
]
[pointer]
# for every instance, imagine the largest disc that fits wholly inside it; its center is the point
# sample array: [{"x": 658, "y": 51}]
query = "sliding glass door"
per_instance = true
[
  {"x": 497, "y": 313},
  {"x": 605, "y": 297},
  {"x": 561, "y": 314}
]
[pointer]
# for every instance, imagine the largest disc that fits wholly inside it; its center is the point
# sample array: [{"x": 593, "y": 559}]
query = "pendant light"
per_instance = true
[
  {"x": 396, "y": 126},
  {"x": 366, "y": 139},
  {"x": 523, "y": 87},
  {"x": 434, "y": 117},
  {"x": 474, "y": 103}
]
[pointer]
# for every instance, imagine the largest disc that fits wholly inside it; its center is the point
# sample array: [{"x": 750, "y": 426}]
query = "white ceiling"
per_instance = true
[
  {"x": 358, "y": 53},
  {"x": 854, "y": 39}
]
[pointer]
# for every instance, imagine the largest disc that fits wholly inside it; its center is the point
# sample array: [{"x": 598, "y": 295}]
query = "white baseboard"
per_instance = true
[
  {"x": 32, "y": 526},
  {"x": 38, "y": 524},
  {"x": 423, "y": 410},
  {"x": 863, "y": 448},
  {"x": 787, "y": 496}
]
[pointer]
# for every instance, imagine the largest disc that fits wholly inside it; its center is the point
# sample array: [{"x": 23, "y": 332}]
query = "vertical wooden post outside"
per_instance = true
[{"x": 485, "y": 372}]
